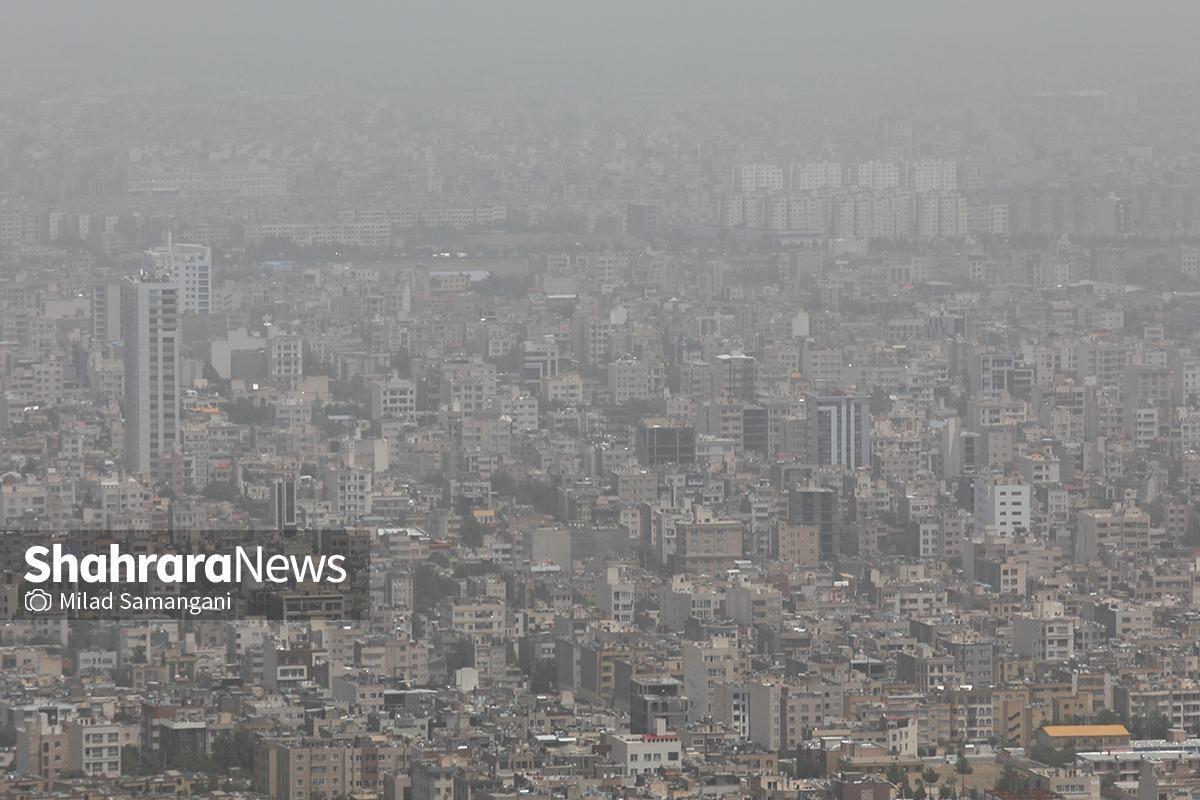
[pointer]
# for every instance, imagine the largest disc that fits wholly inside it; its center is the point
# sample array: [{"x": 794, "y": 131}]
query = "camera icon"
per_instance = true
[{"x": 38, "y": 600}]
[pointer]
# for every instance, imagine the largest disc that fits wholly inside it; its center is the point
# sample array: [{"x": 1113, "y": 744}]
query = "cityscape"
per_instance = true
[{"x": 558, "y": 401}]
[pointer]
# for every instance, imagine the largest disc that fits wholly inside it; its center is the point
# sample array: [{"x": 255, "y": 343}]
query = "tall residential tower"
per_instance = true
[
  {"x": 150, "y": 329},
  {"x": 190, "y": 266}
]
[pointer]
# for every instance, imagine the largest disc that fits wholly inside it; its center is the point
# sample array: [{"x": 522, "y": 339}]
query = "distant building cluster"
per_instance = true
[{"x": 785, "y": 456}]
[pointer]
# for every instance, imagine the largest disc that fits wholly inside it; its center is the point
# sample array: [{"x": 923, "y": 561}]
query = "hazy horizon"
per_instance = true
[{"x": 618, "y": 45}]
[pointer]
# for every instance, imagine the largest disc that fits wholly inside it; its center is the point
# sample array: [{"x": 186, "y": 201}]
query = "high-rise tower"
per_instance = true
[
  {"x": 190, "y": 266},
  {"x": 150, "y": 330}
]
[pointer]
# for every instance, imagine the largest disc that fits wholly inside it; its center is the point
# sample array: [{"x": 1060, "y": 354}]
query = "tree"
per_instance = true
[
  {"x": 1051, "y": 756},
  {"x": 233, "y": 749},
  {"x": 470, "y": 531},
  {"x": 221, "y": 490},
  {"x": 1108, "y": 717},
  {"x": 430, "y": 587},
  {"x": 401, "y": 361},
  {"x": 503, "y": 483},
  {"x": 136, "y": 762},
  {"x": 245, "y": 411},
  {"x": 1152, "y": 725},
  {"x": 930, "y": 775},
  {"x": 1009, "y": 780},
  {"x": 470, "y": 569},
  {"x": 963, "y": 768}
]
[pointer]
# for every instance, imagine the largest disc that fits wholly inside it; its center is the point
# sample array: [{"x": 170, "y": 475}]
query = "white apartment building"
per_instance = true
[
  {"x": 639, "y": 754},
  {"x": 934, "y": 175},
  {"x": 96, "y": 749},
  {"x": 394, "y": 398},
  {"x": 808, "y": 176},
  {"x": 758, "y": 178},
  {"x": 1002, "y": 506},
  {"x": 190, "y": 266},
  {"x": 615, "y": 597},
  {"x": 1044, "y": 638},
  {"x": 877, "y": 175},
  {"x": 705, "y": 665},
  {"x": 150, "y": 328},
  {"x": 285, "y": 355}
]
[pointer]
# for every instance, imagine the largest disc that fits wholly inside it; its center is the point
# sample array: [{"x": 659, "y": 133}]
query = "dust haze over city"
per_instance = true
[{"x": 559, "y": 400}]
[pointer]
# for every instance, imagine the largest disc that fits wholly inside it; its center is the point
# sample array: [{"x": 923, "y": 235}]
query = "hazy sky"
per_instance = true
[{"x": 617, "y": 41}]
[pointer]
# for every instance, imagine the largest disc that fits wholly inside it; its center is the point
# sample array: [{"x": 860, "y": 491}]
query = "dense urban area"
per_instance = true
[{"x": 768, "y": 441}]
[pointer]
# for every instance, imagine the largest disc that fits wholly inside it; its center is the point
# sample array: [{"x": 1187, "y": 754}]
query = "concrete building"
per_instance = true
[
  {"x": 817, "y": 507},
  {"x": 190, "y": 268},
  {"x": 1046, "y": 636},
  {"x": 1002, "y": 506},
  {"x": 150, "y": 330},
  {"x": 1121, "y": 527},
  {"x": 839, "y": 430},
  {"x": 640, "y": 754}
]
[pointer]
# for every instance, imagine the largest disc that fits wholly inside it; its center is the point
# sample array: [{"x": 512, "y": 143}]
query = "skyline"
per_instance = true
[{"x": 599, "y": 401}]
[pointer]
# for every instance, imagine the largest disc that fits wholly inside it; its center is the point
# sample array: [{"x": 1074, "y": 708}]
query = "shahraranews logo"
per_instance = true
[
  {"x": 114, "y": 567},
  {"x": 236, "y": 567}
]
